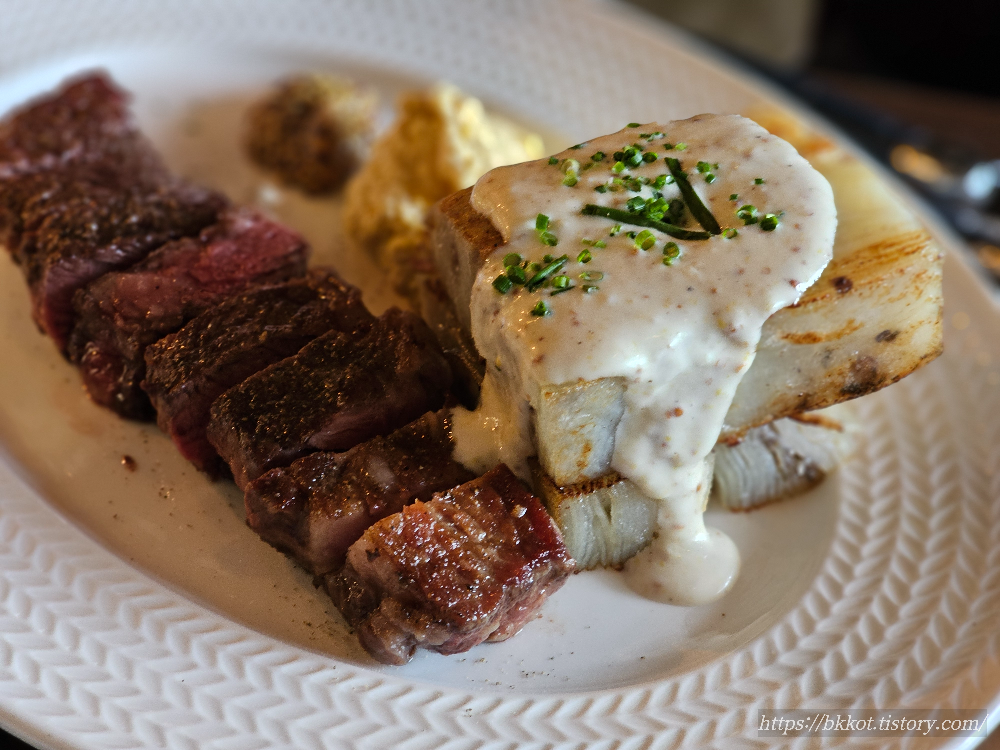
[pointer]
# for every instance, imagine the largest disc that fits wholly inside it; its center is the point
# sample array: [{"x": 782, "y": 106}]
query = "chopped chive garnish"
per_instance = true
[
  {"x": 747, "y": 214},
  {"x": 680, "y": 146},
  {"x": 633, "y": 125},
  {"x": 601, "y": 188},
  {"x": 542, "y": 229},
  {"x": 562, "y": 283},
  {"x": 671, "y": 252},
  {"x": 517, "y": 275},
  {"x": 698, "y": 209},
  {"x": 618, "y": 155},
  {"x": 546, "y": 258},
  {"x": 633, "y": 157},
  {"x": 645, "y": 240},
  {"x": 734, "y": 196},
  {"x": 615, "y": 230},
  {"x": 502, "y": 284},
  {"x": 635, "y": 204},
  {"x": 710, "y": 178},
  {"x": 649, "y": 157},
  {"x": 769, "y": 223},
  {"x": 729, "y": 233},
  {"x": 570, "y": 168},
  {"x": 584, "y": 257},
  {"x": 600, "y": 244},
  {"x": 703, "y": 167},
  {"x": 553, "y": 160},
  {"x": 512, "y": 259},
  {"x": 579, "y": 145},
  {"x": 545, "y": 272},
  {"x": 533, "y": 268},
  {"x": 618, "y": 167},
  {"x": 540, "y": 309},
  {"x": 655, "y": 207},
  {"x": 590, "y": 288},
  {"x": 591, "y": 275},
  {"x": 616, "y": 214},
  {"x": 598, "y": 156},
  {"x": 758, "y": 180},
  {"x": 659, "y": 182}
]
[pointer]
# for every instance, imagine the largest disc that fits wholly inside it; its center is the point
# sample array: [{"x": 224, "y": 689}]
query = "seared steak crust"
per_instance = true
[
  {"x": 72, "y": 236},
  {"x": 186, "y": 371},
  {"x": 472, "y": 565},
  {"x": 123, "y": 312},
  {"x": 82, "y": 192},
  {"x": 86, "y": 115},
  {"x": 316, "y": 508},
  {"x": 335, "y": 393}
]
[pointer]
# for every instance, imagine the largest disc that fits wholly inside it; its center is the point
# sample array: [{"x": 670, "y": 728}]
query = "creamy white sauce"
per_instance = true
[{"x": 682, "y": 335}]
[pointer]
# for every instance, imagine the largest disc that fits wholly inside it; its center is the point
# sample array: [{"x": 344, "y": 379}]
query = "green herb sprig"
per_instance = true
[
  {"x": 545, "y": 271},
  {"x": 694, "y": 203},
  {"x": 639, "y": 220}
]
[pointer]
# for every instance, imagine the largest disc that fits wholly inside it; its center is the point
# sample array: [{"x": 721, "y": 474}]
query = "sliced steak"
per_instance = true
[
  {"x": 82, "y": 192},
  {"x": 123, "y": 312},
  {"x": 316, "y": 508},
  {"x": 79, "y": 232},
  {"x": 337, "y": 392},
  {"x": 83, "y": 116},
  {"x": 82, "y": 132},
  {"x": 188, "y": 370},
  {"x": 472, "y": 565}
]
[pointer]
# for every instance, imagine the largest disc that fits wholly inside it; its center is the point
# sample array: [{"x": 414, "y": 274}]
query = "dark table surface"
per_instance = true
[{"x": 974, "y": 120}]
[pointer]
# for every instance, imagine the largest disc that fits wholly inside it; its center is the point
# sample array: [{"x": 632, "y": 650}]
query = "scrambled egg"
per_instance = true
[{"x": 442, "y": 141}]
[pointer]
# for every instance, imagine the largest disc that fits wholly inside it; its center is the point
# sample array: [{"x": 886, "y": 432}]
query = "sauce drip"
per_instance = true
[{"x": 681, "y": 334}]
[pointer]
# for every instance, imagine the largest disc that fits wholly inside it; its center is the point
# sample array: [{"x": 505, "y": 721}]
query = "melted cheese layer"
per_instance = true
[{"x": 681, "y": 335}]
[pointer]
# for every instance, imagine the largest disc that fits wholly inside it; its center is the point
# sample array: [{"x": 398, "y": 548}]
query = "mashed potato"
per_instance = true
[{"x": 442, "y": 141}]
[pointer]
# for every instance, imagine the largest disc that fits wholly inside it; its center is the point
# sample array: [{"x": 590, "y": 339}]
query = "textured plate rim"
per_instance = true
[{"x": 616, "y": 712}]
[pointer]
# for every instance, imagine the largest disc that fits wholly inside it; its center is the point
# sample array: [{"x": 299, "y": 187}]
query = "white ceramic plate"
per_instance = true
[{"x": 136, "y": 609}]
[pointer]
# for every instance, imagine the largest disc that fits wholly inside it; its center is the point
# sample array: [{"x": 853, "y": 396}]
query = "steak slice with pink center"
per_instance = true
[
  {"x": 339, "y": 391},
  {"x": 123, "y": 312},
  {"x": 472, "y": 565},
  {"x": 188, "y": 370}
]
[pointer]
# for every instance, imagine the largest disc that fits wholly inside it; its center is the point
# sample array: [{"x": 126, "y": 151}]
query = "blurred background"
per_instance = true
[{"x": 917, "y": 83}]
